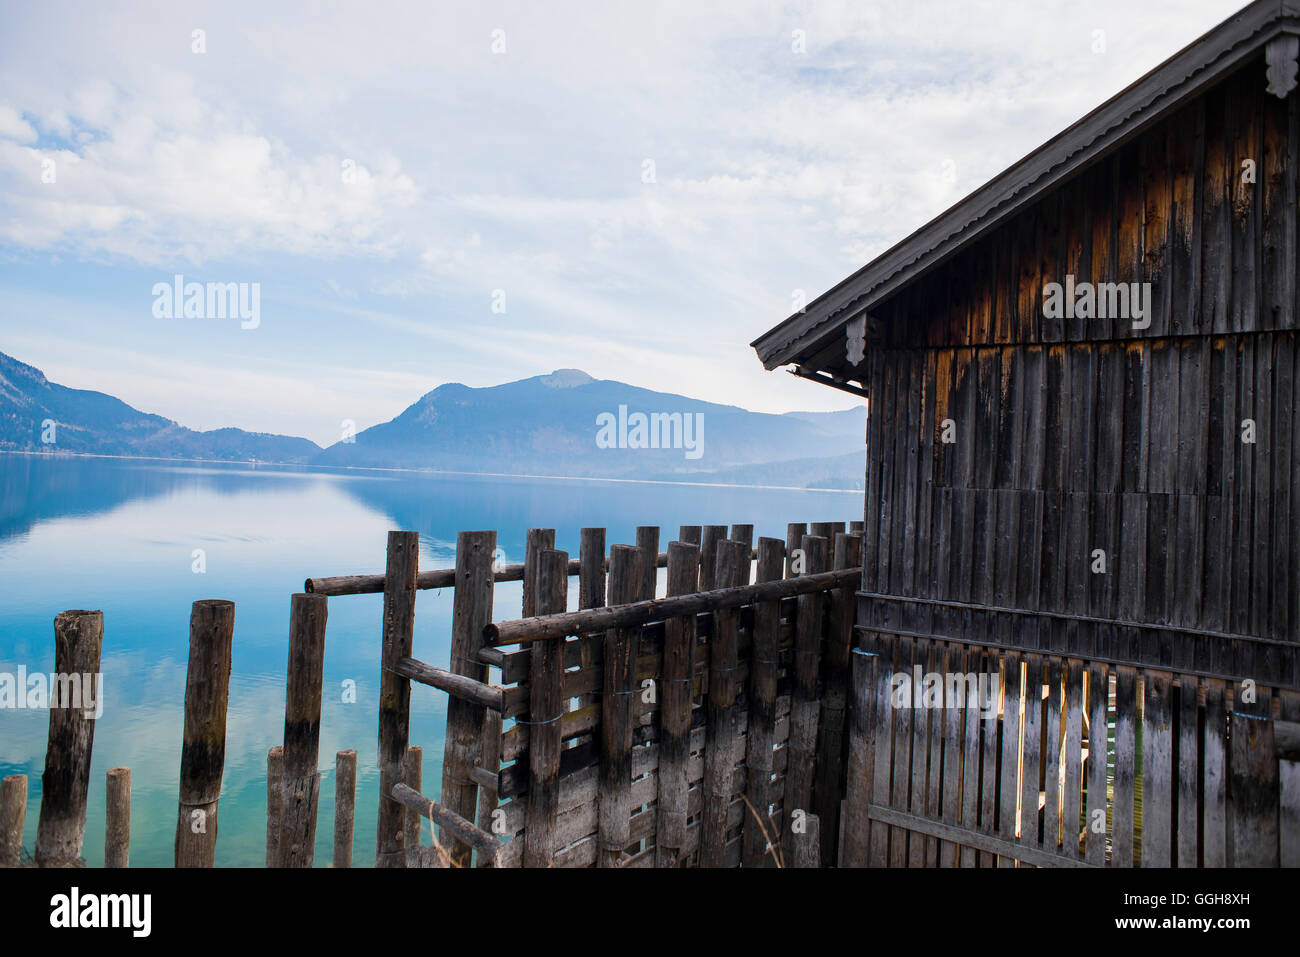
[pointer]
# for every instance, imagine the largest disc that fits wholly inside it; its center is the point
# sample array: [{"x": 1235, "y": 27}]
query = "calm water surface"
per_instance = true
[{"x": 120, "y": 536}]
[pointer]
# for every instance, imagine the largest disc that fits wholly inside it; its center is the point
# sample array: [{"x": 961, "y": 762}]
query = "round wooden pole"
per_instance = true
[
  {"x": 307, "y": 616},
  {"x": 345, "y": 805},
  {"x": 274, "y": 801},
  {"x": 13, "y": 815},
  {"x": 203, "y": 752},
  {"x": 117, "y": 822},
  {"x": 78, "y": 640},
  {"x": 395, "y": 691}
]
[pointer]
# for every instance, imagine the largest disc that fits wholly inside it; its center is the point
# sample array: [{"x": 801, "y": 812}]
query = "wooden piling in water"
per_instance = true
[
  {"x": 61, "y": 828},
  {"x": 274, "y": 800},
  {"x": 302, "y": 707},
  {"x": 13, "y": 816},
  {"x": 471, "y": 613},
  {"x": 675, "y": 709},
  {"x": 117, "y": 818},
  {"x": 203, "y": 753},
  {"x": 829, "y": 790},
  {"x": 804, "y": 706},
  {"x": 400, "y": 571},
  {"x": 414, "y": 778},
  {"x": 545, "y": 713},
  {"x": 722, "y": 735},
  {"x": 345, "y": 805},
  {"x": 619, "y": 672},
  {"x": 761, "y": 725}
]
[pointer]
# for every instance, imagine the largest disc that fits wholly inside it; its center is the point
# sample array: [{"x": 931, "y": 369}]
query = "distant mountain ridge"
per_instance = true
[{"x": 564, "y": 423}]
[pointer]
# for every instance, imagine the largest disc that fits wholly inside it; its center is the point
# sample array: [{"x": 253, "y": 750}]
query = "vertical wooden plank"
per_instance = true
[
  {"x": 1122, "y": 807},
  {"x": 1031, "y": 768},
  {"x": 722, "y": 735},
  {"x": 647, "y": 540},
  {"x": 859, "y": 777},
  {"x": 1214, "y": 848},
  {"x": 1157, "y": 771},
  {"x": 536, "y": 541},
  {"x": 203, "y": 754},
  {"x": 117, "y": 818},
  {"x": 491, "y": 762},
  {"x": 1071, "y": 802},
  {"x": 78, "y": 640},
  {"x": 345, "y": 803},
  {"x": 904, "y": 715},
  {"x": 987, "y": 663},
  {"x": 953, "y": 738},
  {"x": 1254, "y": 786},
  {"x": 829, "y": 789},
  {"x": 761, "y": 724},
  {"x": 545, "y": 711},
  {"x": 920, "y": 745},
  {"x": 675, "y": 709},
  {"x": 620, "y": 653},
  {"x": 690, "y": 534},
  {"x": 306, "y": 669},
  {"x": 1051, "y": 760},
  {"x": 471, "y": 613},
  {"x": 13, "y": 815},
  {"x": 973, "y": 790},
  {"x": 1189, "y": 765},
  {"x": 882, "y": 713},
  {"x": 1098, "y": 708},
  {"x": 591, "y": 592},
  {"x": 395, "y": 691},
  {"x": 1010, "y": 769},
  {"x": 804, "y": 704}
]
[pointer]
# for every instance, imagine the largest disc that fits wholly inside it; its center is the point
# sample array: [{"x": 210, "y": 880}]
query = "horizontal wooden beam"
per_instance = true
[
  {"x": 489, "y": 696},
  {"x": 658, "y": 609},
  {"x": 450, "y": 821},
  {"x": 976, "y": 839}
]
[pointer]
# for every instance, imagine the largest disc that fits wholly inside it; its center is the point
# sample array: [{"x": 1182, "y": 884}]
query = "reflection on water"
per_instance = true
[{"x": 121, "y": 536}]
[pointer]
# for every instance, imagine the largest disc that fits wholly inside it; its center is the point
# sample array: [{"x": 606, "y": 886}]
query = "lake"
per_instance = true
[{"x": 121, "y": 536}]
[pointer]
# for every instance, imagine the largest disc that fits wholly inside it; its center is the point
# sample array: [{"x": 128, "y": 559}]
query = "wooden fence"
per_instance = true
[{"x": 1070, "y": 761}]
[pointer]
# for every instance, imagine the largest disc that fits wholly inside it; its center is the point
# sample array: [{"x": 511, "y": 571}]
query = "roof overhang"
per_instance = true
[{"x": 804, "y": 338}]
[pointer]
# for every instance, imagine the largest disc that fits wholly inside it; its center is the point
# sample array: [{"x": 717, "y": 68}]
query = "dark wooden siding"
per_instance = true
[{"x": 1082, "y": 434}]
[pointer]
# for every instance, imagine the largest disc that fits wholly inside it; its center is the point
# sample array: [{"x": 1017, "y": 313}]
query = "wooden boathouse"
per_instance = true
[{"x": 1062, "y": 486}]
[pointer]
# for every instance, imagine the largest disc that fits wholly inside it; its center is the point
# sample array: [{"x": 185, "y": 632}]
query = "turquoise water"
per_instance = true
[{"x": 120, "y": 536}]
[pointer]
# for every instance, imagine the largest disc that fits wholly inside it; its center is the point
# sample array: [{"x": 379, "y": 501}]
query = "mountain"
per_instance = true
[
  {"x": 568, "y": 423},
  {"x": 565, "y": 423},
  {"x": 85, "y": 421}
]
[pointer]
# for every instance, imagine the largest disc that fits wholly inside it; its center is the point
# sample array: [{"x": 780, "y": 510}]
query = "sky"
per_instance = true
[{"x": 479, "y": 192}]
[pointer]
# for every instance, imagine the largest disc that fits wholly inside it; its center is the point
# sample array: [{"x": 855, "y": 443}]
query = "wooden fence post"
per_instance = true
[
  {"x": 856, "y": 833},
  {"x": 806, "y": 845},
  {"x": 713, "y": 534},
  {"x": 203, "y": 753},
  {"x": 804, "y": 706},
  {"x": 61, "y": 828},
  {"x": 117, "y": 819},
  {"x": 761, "y": 726},
  {"x": 722, "y": 734},
  {"x": 471, "y": 613},
  {"x": 345, "y": 805},
  {"x": 490, "y": 761},
  {"x": 307, "y": 617},
  {"x": 1253, "y": 835},
  {"x": 413, "y": 776},
  {"x": 13, "y": 815},
  {"x": 274, "y": 800},
  {"x": 537, "y": 541},
  {"x": 400, "y": 571},
  {"x": 675, "y": 709},
  {"x": 794, "y": 533},
  {"x": 835, "y": 684},
  {"x": 545, "y": 716},
  {"x": 619, "y": 667},
  {"x": 647, "y": 540},
  {"x": 690, "y": 535}
]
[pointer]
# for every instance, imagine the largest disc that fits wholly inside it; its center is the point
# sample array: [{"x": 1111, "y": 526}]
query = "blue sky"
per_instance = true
[{"x": 522, "y": 169}]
